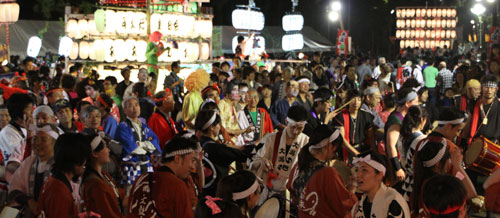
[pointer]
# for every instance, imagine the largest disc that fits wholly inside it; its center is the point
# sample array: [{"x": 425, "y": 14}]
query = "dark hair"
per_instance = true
[
  {"x": 81, "y": 104},
  {"x": 209, "y": 106},
  {"x": 450, "y": 113},
  {"x": 224, "y": 74},
  {"x": 422, "y": 90},
  {"x": 351, "y": 94},
  {"x": 17, "y": 103},
  {"x": 176, "y": 144},
  {"x": 297, "y": 113},
  {"x": 319, "y": 134},
  {"x": 389, "y": 101},
  {"x": 267, "y": 86},
  {"x": 442, "y": 191},
  {"x": 237, "y": 182},
  {"x": 68, "y": 81},
  {"x": 489, "y": 78},
  {"x": 412, "y": 119},
  {"x": 108, "y": 100},
  {"x": 376, "y": 157},
  {"x": 240, "y": 39},
  {"x": 141, "y": 89},
  {"x": 411, "y": 83},
  {"x": 322, "y": 93},
  {"x": 70, "y": 150},
  {"x": 112, "y": 80},
  {"x": 124, "y": 70},
  {"x": 160, "y": 95},
  {"x": 401, "y": 95},
  {"x": 422, "y": 173},
  {"x": 247, "y": 71},
  {"x": 225, "y": 63},
  {"x": 203, "y": 117}
]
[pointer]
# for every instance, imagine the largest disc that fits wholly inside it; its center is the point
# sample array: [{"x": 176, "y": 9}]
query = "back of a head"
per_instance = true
[
  {"x": 489, "y": 78},
  {"x": 70, "y": 149},
  {"x": 451, "y": 113},
  {"x": 237, "y": 182},
  {"x": 443, "y": 194},
  {"x": 412, "y": 120},
  {"x": 402, "y": 94},
  {"x": 297, "y": 113},
  {"x": 140, "y": 88},
  {"x": 178, "y": 143},
  {"x": 68, "y": 81},
  {"x": 204, "y": 120},
  {"x": 17, "y": 103}
]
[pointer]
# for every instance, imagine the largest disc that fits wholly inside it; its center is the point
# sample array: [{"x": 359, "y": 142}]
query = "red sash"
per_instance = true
[
  {"x": 475, "y": 120},
  {"x": 463, "y": 103},
  {"x": 345, "y": 114}
]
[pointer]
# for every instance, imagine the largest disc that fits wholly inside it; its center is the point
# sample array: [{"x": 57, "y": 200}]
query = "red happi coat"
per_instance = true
[
  {"x": 167, "y": 195},
  {"x": 56, "y": 200}
]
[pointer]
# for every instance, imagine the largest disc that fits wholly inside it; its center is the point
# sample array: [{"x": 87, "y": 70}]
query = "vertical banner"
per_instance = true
[
  {"x": 342, "y": 47},
  {"x": 494, "y": 37}
]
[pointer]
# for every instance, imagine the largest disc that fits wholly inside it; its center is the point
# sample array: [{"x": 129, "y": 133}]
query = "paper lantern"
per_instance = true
[
  {"x": 83, "y": 50},
  {"x": 407, "y": 43},
  {"x": 398, "y": 13},
  {"x": 417, "y": 12},
  {"x": 74, "y": 51},
  {"x": 293, "y": 22},
  {"x": 91, "y": 51},
  {"x": 72, "y": 28},
  {"x": 92, "y": 28},
  {"x": 109, "y": 50},
  {"x": 141, "y": 46},
  {"x": 448, "y": 34},
  {"x": 111, "y": 21},
  {"x": 292, "y": 42},
  {"x": 100, "y": 20},
  {"x": 403, "y": 13},
  {"x": 429, "y": 13},
  {"x": 203, "y": 28},
  {"x": 438, "y": 23},
  {"x": 34, "y": 45},
  {"x": 398, "y": 34},
  {"x": 408, "y": 23},
  {"x": 433, "y": 23},
  {"x": 140, "y": 23},
  {"x": 83, "y": 25},
  {"x": 412, "y": 33},
  {"x": 129, "y": 22},
  {"x": 453, "y": 23},
  {"x": 433, "y": 34},
  {"x": 407, "y": 34},
  {"x": 428, "y": 34},
  {"x": 65, "y": 44},
  {"x": 417, "y": 34},
  {"x": 185, "y": 26},
  {"x": 423, "y": 13},
  {"x": 412, "y": 44},
  {"x": 441, "y": 44},
  {"x": 433, "y": 43},
  {"x": 453, "y": 12},
  {"x": 443, "y": 34},
  {"x": 194, "y": 52},
  {"x": 422, "y": 33},
  {"x": 434, "y": 12},
  {"x": 438, "y": 12},
  {"x": 120, "y": 50},
  {"x": 99, "y": 50},
  {"x": 9, "y": 12},
  {"x": 447, "y": 43},
  {"x": 402, "y": 44},
  {"x": 448, "y": 13},
  {"x": 453, "y": 34},
  {"x": 131, "y": 51},
  {"x": 121, "y": 22},
  {"x": 448, "y": 23},
  {"x": 413, "y": 23},
  {"x": 399, "y": 24},
  {"x": 155, "y": 22},
  {"x": 443, "y": 23},
  {"x": 250, "y": 20},
  {"x": 205, "y": 51},
  {"x": 427, "y": 44}
]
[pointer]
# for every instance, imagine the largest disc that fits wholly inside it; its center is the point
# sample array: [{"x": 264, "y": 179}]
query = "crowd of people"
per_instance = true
[{"x": 336, "y": 136}]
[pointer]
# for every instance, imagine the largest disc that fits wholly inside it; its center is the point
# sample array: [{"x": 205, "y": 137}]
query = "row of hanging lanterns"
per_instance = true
[
  {"x": 432, "y": 34},
  {"x": 426, "y": 12},
  {"x": 427, "y": 44},
  {"x": 423, "y": 23},
  {"x": 109, "y": 50}
]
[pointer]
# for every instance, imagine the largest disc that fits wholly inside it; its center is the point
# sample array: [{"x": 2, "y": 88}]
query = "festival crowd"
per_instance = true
[{"x": 334, "y": 136}]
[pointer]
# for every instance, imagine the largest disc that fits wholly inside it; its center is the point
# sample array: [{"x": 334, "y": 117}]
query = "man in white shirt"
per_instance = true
[
  {"x": 417, "y": 72},
  {"x": 377, "y": 71}
]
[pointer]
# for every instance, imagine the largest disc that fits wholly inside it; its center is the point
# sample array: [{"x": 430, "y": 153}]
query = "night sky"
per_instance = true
[{"x": 369, "y": 21}]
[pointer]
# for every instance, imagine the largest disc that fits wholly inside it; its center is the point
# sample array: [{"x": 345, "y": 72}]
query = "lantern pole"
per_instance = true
[{"x": 148, "y": 16}]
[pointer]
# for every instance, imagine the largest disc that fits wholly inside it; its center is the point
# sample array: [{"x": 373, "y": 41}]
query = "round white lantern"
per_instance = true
[
  {"x": 92, "y": 28},
  {"x": 205, "y": 51},
  {"x": 83, "y": 25},
  {"x": 100, "y": 20},
  {"x": 9, "y": 12},
  {"x": 109, "y": 50},
  {"x": 141, "y": 50},
  {"x": 130, "y": 49},
  {"x": 121, "y": 22},
  {"x": 203, "y": 28},
  {"x": 74, "y": 51},
  {"x": 91, "y": 51},
  {"x": 65, "y": 44},
  {"x": 111, "y": 21},
  {"x": 84, "y": 50},
  {"x": 99, "y": 50},
  {"x": 155, "y": 22},
  {"x": 140, "y": 24},
  {"x": 120, "y": 50},
  {"x": 72, "y": 28},
  {"x": 34, "y": 45}
]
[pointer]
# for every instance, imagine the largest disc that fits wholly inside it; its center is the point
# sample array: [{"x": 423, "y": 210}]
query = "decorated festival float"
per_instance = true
[{"x": 139, "y": 34}]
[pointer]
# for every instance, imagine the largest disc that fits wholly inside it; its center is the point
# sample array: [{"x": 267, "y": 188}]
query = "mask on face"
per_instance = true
[
  {"x": 90, "y": 92},
  {"x": 294, "y": 93},
  {"x": 235, "y": 95},
  {"x": 109, "y": 91}
]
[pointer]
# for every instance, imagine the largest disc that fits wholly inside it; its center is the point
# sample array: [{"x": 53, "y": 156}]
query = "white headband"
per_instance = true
[
  {"x": 452, "y": 122},
  {"x": 321, "y": 144},
  {"x": 96, "y": 141},
  {"x": 206, "y": 101},
  {"x": 210, "y": 122},
  {"x": 368, "y": 160},
  {"x": 246, "y": 193},
  {"x": 410, "y": 97},
  {"x": 47, "y": 129},
  {"x": 179, "y": 152},
  {"x": 436, "y": 158},
  {"x": 304, "y": 80},
  {"x": 292, "y": 122},
  {"x": 244, "y": 89}
]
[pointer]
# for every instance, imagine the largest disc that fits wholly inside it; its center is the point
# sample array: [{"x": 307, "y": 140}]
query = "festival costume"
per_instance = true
[
  {"x": 320, "y": 192},
  {"x": 56, "y": 199},
  {"x": 101, "y": 195},
  {"x": 153, "y": 51},
  {"x": 11, "y": 137},
  {"x": 194, "y": 83},
  {"x": 229, "y": 118},
  {"x": 464, "y": 104},
  {"x": 282, "y": 157},
  {"x": 137, "y": 146},
  {"x": 387, "y": 203},
  {"x": 163, "y": 126},
  {"x": 218, "y": 158},
  {"x": 262, "y": 123},
  {"x": 355, "y": 130},
  {"x": 160, "y": 194},
  {"x": 489, "y": 128},
  {"x": 109, "y": 125}
]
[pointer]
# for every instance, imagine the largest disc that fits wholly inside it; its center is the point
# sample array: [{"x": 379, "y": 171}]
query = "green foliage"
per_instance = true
[{"x": 43, "y": 30}]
